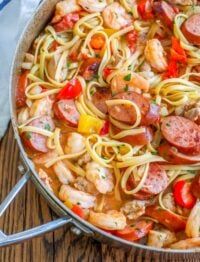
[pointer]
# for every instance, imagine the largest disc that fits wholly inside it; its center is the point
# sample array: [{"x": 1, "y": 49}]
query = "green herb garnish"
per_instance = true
[{"x": 127, "y": 77}]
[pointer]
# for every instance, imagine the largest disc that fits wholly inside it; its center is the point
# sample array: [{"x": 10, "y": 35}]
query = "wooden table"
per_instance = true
[{"x": 29, "y": 209}]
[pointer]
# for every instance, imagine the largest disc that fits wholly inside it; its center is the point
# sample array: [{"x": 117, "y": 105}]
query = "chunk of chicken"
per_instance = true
[
  {"x": 65, "y": 7},
  {"x": 113, "y": 220},
  {"x": 193, "y": 222},
  {"x": 42, "y": 159},
  {"x": 23, "y": 115},
  {"x": 161, "y": 238},
  {"x": 76, "y": 197},
  {"x": 134, "y": 209},
  {"x": 168, "y": 202},
  {"x": 100, "y": 176},
  {"x": 83, "y": 184},
  {"x": 154, "y": 54},
  {"x": 64, "y": 175},
  {"x": 41, "y": 107},
  {"x": 84, "y": 159},
  {"x": 45, "y": 178},
  {"x": 92, "y": 6},
  {"x": 116, "y": 17}
]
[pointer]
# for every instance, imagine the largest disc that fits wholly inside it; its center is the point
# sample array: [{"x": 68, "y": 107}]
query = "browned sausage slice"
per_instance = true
[
  {"x": 182, "y": 133},
  {"x": 165, "y": 12},
  {"x": 126, "y": 113},
  {"x": 66, "y": 110},
  {"x": 99, "y": 99},
  {"x": 191, "y": 29},
  {"x": 155, "y": 182},
  {"x": 35, "y": 141},
  {"x": 195, "y": 186},
  {"x": 172, "y": 155},
  {"x": 172, "y": 221}
]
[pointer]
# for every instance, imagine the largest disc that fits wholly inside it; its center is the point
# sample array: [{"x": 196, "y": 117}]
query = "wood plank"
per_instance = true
[{"x": 29, "y": 209}]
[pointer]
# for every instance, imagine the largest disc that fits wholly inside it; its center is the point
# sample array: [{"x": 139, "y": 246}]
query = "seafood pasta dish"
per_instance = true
[{"x": 108, "y": 107}]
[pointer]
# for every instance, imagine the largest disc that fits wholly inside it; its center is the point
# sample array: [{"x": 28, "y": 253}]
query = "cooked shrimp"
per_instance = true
[
  {"x": 45, "y": 178},
  {"x": 64, "y": 175},
  {"x": 187, "y": 243},
  {"x": 115, "y": 16},
  {"x": 75, "y": 143},
  {"x": 63, "y": 8},
  {"x": 44, "y": 158},
  {"x": 160, "y": 238},
  {"x": 193, "y": 222},
  {"x": 113, "y": 220},
  {"x": 84, "y": 159},
  {"x": 92, "y": 6},
  {"x": 41, "y": 107},
  {"x": 83, "y": 184},
  {"x": 129, "y": 82},
  {"x": 100, "y": 176},
  {"x": 134, "y": 209},
  {"x": 154, "y": 54},
  {"x": 76, "y": 197}
]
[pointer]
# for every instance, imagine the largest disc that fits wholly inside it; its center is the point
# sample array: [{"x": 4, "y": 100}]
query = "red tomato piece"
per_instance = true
[
  {"x": 136, "y": 231},
  {"x": 89, "y": 68},
  {"x": 67, "y": 22},
  {"x": 131, "y": 38},
  {"x": 107, "y": 71},
  {"x": 183, "y": 195},
  {"x": 145, "y": 9},
  {"x": 72, "y": 90},
  {"x": 20, "y": 90},
  {"x": 195, "y": 186},
  {"x": 78, "y": 211},
  {"x": 170, "y": 220},
  {"x": 105, "y": 129}
]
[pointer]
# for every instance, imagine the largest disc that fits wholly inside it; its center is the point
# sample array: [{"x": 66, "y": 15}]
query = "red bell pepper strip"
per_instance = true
[
  {"x": 105, "y": 129},
  {"x": 78, "y": 211},
  {"x": 20, "y": 90},
  {"x": 145, "y": 9},
  {"x": 72, "y": 90},
  {"x": 177, "y": 52},
  {"x": 183, "y": 195}
]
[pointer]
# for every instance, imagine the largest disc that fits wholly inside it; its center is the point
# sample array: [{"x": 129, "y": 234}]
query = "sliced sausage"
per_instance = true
[
  {"x": 142, "y": 196},
  {"x": 172, "y": 155},
  {"x": 165, "y": 12},
  {"x": 191, "y": 29},
  {"x": 195, "y": 186},
  {"x": 140, "y": 139},
  {"x": 182, "y": 133},
  {"x": 66, "y": 110},
  {"x": 170, "y": 220},
  {"x": 89, "y": 68},
  {"x": 135, "y": 231},
  {"x": 35, "y": 141},
  {"x": 155, "y": 182},
  {"x": 20, "y": 90},
  {"x": 126, "y": 113},
  {"x": 99, "y": 99},
  {"x": 152, "y": 117}
]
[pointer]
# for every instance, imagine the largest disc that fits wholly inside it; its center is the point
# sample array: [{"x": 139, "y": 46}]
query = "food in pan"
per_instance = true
[{"x": 108, "y": 104}]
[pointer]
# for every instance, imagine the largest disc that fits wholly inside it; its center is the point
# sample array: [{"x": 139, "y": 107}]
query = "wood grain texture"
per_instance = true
[{"x": 29, "y": 209}]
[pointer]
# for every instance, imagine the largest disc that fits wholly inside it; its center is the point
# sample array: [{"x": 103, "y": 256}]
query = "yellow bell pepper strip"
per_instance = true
[
  {"x": 68, "y": 204},
  {"x": 109, "y": 31},
  {"x": 89, "y": 124}
]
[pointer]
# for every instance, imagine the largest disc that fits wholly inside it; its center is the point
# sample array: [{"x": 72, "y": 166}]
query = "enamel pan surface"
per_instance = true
[{"x": 33, "y": 28}]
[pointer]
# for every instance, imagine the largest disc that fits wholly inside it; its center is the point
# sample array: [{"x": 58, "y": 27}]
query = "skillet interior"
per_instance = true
[{"x": 33, "y": 28}]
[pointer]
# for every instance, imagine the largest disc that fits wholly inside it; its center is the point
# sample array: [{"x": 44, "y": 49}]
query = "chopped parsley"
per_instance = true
[
  {"x": 127, "y": 77},
  {"x": 168, "y": 124},
  {"x": 126, "y": 88},
  {"x": 92, "y": 91},
  {"x": 47, "y": 127},
  {"x": 129, "y": 67},
  {"x": 69, "y": 63}
]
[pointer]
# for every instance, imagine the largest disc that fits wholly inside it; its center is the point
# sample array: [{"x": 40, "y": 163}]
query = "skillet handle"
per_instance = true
[{"x": 30, "y": 233}]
